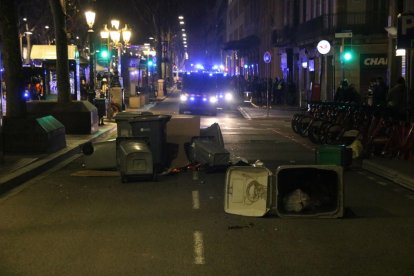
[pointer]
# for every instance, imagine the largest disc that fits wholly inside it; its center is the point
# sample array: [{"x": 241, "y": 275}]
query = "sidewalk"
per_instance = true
[{"x": 16, "y": 169}]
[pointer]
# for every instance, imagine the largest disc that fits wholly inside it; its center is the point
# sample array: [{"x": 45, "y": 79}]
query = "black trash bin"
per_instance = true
[
  {"x": 100, "y": 104},
  {"x": 310, "y": 191},
  {"x": 122, "y": 121},
  {"x": 153, "y": 127}
]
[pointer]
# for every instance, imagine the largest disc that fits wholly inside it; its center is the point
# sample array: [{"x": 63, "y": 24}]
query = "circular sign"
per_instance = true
[
  {"x": 267, "y": 57},
  {"x": 323, "y": 47}
]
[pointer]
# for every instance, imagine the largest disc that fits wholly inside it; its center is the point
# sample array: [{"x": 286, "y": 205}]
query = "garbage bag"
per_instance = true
[{"x": 296, "y": 201}]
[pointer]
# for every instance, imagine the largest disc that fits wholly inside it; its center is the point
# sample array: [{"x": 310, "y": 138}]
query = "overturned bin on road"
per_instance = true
[
  {"x": 294, "y": 191},
  {"x": 134, "y": 159}
]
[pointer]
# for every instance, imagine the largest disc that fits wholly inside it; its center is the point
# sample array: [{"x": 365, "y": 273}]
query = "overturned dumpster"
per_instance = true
[{"x": 293, "y": 191}]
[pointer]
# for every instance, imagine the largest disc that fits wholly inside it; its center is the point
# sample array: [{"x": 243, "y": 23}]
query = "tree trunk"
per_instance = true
[
  {"x": 16, "y": 104},
  {"x": 62, "y": 62}
]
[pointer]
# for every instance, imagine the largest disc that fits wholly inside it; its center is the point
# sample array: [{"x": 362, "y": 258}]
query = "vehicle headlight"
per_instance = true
[
  {"x": 213, "y": 99},
  {"x": 228, "y": 96},
  {"x": 183, "y": 98}
]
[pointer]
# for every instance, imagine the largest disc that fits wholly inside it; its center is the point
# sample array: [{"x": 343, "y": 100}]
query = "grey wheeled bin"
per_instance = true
[
  {"x": 122, "y": 121},
  {"x": 312, "y": 191},
  {"x": 134, "y": 159},
  {"x": 154, "y": 128},
  {"x": 101, "y": 105}
]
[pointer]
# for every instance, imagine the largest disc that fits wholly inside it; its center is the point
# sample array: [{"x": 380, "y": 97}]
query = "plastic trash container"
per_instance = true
[
  {"x": 310, "y": 191},
  {"x": 293, "y": 191},
  {"x": 134, "y": 158},
  {"x": 247, "y": 191},
  {"x": 100, "y": 104},
  {"x": 333, "y": 155},
  {"x": 122, "y": 121},
  {"x": 154, "y": 128}
]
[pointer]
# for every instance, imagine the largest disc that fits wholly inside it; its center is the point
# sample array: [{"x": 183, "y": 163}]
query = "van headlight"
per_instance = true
[
  {"x": 228, "y": 97},
  {"x": 213, "y": 99},
  {"x": 183, "y": 98}
]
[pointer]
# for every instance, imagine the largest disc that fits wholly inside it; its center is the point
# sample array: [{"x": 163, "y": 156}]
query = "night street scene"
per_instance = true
[{"x": 208, "y": 137}]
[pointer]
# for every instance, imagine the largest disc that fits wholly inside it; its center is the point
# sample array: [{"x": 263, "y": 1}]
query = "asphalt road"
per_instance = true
[{"x": 62, "y": 224}]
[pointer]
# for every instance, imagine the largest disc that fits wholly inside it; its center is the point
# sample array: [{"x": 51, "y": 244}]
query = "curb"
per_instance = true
[
  {"x": 389, "y": 173},
  {"x": 47, "y": 161}
]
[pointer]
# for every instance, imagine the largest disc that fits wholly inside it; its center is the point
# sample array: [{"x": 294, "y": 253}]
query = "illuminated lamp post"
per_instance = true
[
  {"x": 90, "y": 20},
  {"x": 105, "y": 36},
  {"x": 114, "y": 35}
]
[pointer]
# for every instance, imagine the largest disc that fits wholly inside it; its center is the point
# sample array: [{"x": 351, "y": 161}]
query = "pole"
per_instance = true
[
  {"x": 409, "y": 81},
  {"x": 29, "y": 46},
  {"x": 1, "y": 109},
  {"x": 91, "y": 63},
  {"x": 341, "y": 59},
  {"x": 267, "y": 87}
]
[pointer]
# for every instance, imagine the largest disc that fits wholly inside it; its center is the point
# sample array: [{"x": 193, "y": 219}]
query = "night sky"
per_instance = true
[{"x": 195, "y": 13}]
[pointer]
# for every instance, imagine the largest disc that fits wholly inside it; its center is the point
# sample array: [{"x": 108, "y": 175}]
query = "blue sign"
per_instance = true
[{"x": 267, "y": 57}]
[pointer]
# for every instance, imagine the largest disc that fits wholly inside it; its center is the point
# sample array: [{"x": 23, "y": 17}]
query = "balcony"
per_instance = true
[{"x": 368, "y": 23}]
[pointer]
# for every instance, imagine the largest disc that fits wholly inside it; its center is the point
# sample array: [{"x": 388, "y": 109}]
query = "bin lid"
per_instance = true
[
  {"x": 246, "y": 191},
  {"x": 150, "y": 117},
  {"x": 127, "y": 115}
]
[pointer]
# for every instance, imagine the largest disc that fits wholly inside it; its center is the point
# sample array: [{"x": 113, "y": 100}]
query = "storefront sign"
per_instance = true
[
  {"x": 323, "y": 47},
  {"x": 373, "y": 61}
]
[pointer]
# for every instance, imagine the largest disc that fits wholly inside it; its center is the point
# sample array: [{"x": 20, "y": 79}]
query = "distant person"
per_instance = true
[
  {"x": 83, "y": 89},
  {"x": 346, "y": 93},
  {"x": 379, "y": 97},
  {"x": 40, "y": 95},
  {"x": 3, "y": 89},
  {"x": 396, "y": 99}
]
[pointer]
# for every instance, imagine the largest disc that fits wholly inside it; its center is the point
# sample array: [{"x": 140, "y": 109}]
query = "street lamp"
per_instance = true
[
  {"x": 118, "y": 37},
  {"x": 90, "y": 20}
]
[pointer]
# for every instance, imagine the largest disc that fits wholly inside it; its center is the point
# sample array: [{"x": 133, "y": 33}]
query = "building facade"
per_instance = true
[{"x": 291, "y": 30}]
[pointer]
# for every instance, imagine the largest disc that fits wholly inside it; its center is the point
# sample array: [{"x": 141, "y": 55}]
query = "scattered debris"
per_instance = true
[
  {"x": 95, "y": 173},
  {"x": 237, "y": 227}
]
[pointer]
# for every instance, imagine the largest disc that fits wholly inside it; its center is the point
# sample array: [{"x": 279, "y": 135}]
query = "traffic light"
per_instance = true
[
  {"x": 150, "y": 61},
  {"x": 347, "y": 55},
  {"x": 104, "y": 54}
]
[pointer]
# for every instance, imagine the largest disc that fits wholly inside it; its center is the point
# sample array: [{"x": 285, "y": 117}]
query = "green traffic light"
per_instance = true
[
  {"x": 104, "y": 54},
  {"x": 347, "y": 56}
]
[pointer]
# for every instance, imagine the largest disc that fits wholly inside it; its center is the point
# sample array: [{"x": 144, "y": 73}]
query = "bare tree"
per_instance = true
[
  {"x": 62, "y": 62},
  {"x": 161, "y": 15}
]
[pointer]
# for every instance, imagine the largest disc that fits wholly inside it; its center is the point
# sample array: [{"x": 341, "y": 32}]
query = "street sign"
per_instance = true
[
  {"x": 267, "y": 57},
  {"x": 343, "y": 35},
  {"x": 405, "y": 31},
  {"x": 323, "y": 47}
]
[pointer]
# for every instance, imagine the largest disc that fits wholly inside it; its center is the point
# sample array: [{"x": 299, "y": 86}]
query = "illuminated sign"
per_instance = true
[{"x": 323, "y": 47}]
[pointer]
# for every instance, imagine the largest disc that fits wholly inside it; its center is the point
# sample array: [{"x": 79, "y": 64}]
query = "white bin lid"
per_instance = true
[{"x": 246, "y": 191}]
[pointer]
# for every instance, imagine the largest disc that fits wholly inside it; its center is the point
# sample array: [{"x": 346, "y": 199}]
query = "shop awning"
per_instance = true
[
  {"x": 49, "y": 52},
  {"x": 242, "y": 44}
]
